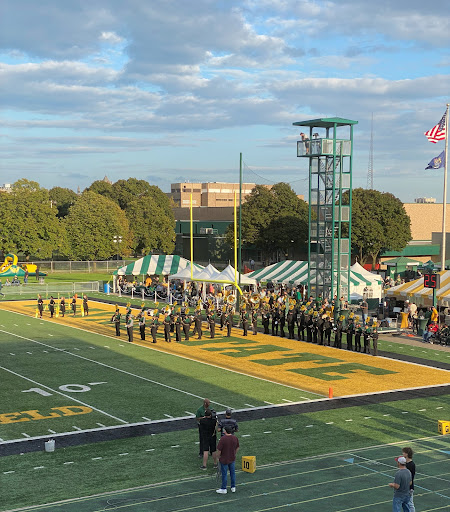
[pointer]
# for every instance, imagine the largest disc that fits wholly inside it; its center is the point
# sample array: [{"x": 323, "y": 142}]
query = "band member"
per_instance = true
[
  {"x": 73, "y": 305},
  {"x": 367, "y": 335},
  {"x": 301, "y": 324},
  {"x": 141, "y": 318},
  {"x": 130, "y": 324},
  {"x": 51, "y": 306},
  {"x": 255, "y": 321},
  {"x": 327, "y": 327},
  {"x": 358, "y": 333},
  {"x": 244, "y": 320},
  {"x": 223, "y": 316},
  {"x": 116, "y": 320},
  {"x": 62, "y": 306},
  {"x": 265, "y": 318},
  {"x": 178, "y": 323},
  {"x": 167, "y": 322},
  {"x": 375, "y": 339},
  {"x": 282, "y": 312},
  {"x": 320, "y": 327},
  {"x": 309, "y": 326},
  {"x": 198, "y": 322},
  {"x": 338, "y": 333},
  {"x": 350, "y": 332},
  {"x": 315, "y": 318},
  {"x": 290, "y": 319},
  {"x": 186, "y": 325},
  {"x": 275, "y": 320},
  {"x": 85, "y": 305},
  {"x": 154, "y": 325},
  {"x": 211, "y": 319},
  {"x": 229, "y": 321},
  {"x": 40, "y": 305}
]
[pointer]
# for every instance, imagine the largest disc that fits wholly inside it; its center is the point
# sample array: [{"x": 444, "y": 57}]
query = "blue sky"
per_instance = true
[{"x": 175, "y": 90}]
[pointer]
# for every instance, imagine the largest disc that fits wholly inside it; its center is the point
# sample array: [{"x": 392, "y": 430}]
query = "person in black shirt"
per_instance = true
[
  {"x": 62, "y": 306},
  {"x": 51, "y": 306},
  {"x": 40, "y": 305},
  {"x": 228, "y": 420},
  {"x": 327, "y": 327},
  {"x": 207, "y": 427},
  {"x": 408, "y": 454}
]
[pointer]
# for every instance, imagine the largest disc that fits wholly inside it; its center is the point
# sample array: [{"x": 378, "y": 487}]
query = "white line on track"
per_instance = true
[
  {"x": 117, "y": 369},
  {"x": 62, "y": 394}
]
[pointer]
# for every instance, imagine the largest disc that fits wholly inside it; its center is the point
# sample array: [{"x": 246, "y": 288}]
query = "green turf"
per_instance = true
[
  {"x": 129, "y": 463},
  {"x": 134, "y": 382},
  {"x": 425, "y": 351}
]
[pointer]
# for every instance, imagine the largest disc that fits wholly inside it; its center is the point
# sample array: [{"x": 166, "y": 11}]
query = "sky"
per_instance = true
[{"x": 175, "y": 90}]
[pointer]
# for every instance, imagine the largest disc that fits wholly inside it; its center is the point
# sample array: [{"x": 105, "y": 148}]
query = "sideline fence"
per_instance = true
[
  {"x": 79, "y": 266},
  {"x": 47, "y": 289}
]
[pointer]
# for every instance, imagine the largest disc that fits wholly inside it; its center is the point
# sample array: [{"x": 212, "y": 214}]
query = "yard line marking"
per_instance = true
[
  {"x": 146, "y": 419},
  {"x": 290, "y": 428},
  {"x": 63, "y": 394},
  {"x": 439, "y": 407},
  {"x": 305, "y": 398},
  {"x": 15, "y": 325},
  {"x": 95, "y": 383},
  {"x": 30, "y": 353},
  {"x": 329, "y": 423},
  {"x": 51, "y": 335},
  {"x": 286, "y": 400},
  {"x": 75, "y": 348},
  {"x": 245, "y": 435},
  {"x": 39, "y": 467},
  {"x": 367, "y": 417},
  {"x": 191, "y": 413},
  {"x": 150, "y": 450},
  {"x": 100, "y": 425},
  {"x": 250, "y": 405},
  {"x": 8, "y": 472},
  {"x": 69, "y": 462},
  {"x": 27, "y": 324},
  {"x": 12, "y": 354},
  {"x": 422, "y": 410},
  {"x": 93, "y": 348},
  {"x": 45, "y": 351},
  {"x": 175, "y": 446},
  {"x": 168, "y": 415},
  {"x": 122, "y": 454},
  {"x": 386, "y": 414},
  {"x": 51, "y": 431},
  {"x": 269, "y": 403},
  {"x": 267, "y": 432},
  {"x": 404, "y": 412},
  {"x": 76, "y": 428},
  {"x": 96, "y": 458},
  {"x": 114, "y": 368},
  {"x": 349, "y": 420},
  {"x": 106, "y": 346},
  {"x": 26, "y": 435},
  {"x": 309, "y": 426}
]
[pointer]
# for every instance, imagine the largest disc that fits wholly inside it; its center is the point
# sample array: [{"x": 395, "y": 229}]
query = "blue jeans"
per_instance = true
[
  {"x": 401, "y": 503},
  {"x": 224, "y": 468},
  {"x": 427, "y": 335}
]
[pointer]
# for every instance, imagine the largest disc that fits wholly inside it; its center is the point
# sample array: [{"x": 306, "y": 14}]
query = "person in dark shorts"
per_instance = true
[{"x": 208, "y": 437}]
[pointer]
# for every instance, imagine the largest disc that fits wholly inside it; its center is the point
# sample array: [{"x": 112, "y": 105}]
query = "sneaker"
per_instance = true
[
  {"x": 221, "y": 491},
  {"x": 203, "y": 467},
  {"x": 233, "y": 489}
]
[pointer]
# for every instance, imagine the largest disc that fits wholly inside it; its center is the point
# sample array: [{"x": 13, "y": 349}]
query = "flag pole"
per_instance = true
[
  {"x": 191, "y": 225},
  {"x": 444, "y": 206}
]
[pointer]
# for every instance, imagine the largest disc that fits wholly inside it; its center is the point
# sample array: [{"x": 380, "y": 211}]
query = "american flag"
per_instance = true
[{"x": 437, "y": 132}]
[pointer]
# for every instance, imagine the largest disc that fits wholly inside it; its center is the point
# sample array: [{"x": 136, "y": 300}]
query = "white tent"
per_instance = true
[
  {"x": 185, "y": 274},
  {"x": 228, "y": 275},
  {"x": 208, "y": 273},
  {"x": 372, "y": 290}
]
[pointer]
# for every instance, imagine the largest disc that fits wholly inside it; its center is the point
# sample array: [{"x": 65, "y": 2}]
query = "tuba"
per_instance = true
[
  {"x": 231, "y": 300},
  {"x": 255, "y": 299}
]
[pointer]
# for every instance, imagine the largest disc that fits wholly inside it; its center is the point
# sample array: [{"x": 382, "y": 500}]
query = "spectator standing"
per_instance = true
[
  {"x": 408, "y": 454},
  {"x": 401, "y": 485},
  {"x": 227, "y": 449},
  {"x": 37, "y": 273},
  {"x": 207, "y": 426},
  {"x": 228, "y": 420},
  {"x": 364, "y": 310},
  {"x": 199, "y": 415}
]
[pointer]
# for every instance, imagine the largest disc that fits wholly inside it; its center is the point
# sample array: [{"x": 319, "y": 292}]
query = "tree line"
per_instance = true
[
  {"x": 58, "y": 222},
  {"x": 43, "y": 223}
]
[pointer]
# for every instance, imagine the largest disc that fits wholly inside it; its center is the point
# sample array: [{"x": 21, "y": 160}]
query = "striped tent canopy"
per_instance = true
[
  {"x": 155, "y": 265},
  {"x": 282, "y": 272},
  {"x": 296, "y": 273},
  {"x": 405, "y": 290},
  {"x": 424, "y": 296}
]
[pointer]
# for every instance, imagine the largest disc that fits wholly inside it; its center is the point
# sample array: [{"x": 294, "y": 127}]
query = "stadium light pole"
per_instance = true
[{"x": 117, "y": 239}]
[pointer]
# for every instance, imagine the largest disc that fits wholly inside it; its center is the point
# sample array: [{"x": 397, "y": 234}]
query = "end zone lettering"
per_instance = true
[{"x": 69, "y": 410}]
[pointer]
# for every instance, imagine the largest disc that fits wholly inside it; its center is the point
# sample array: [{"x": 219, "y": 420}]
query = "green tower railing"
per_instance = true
[{"x": 330, "y": 204}]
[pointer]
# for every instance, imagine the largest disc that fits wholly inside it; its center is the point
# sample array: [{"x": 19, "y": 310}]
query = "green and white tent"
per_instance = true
[
  {"x": 155, "y": 265},
  {"x": 288, "y": 271}
]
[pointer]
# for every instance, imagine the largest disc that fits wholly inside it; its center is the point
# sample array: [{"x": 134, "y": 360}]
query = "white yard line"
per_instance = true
[
  {"x": 63, "y": 394},
  {"x": 114, "y": 368}
]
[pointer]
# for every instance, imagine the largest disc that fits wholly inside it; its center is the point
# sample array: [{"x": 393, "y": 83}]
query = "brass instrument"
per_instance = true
[
  {"x": 231, "y": 300},
  {"x": 255, "y": 299}
]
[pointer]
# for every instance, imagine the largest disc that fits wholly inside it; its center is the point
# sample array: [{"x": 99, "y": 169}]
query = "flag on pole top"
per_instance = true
[
  {"x": 437, "y": 132},
  {"x": 437, "y": 162}
]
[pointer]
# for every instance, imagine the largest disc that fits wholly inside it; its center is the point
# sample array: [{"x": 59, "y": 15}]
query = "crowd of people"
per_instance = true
[{"x": 58, "y": 307}]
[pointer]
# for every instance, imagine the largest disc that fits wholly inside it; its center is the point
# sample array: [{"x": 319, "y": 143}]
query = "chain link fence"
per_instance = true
[
  {"x": 79, "y": 266},
  {"x": 31, "y": 290}
]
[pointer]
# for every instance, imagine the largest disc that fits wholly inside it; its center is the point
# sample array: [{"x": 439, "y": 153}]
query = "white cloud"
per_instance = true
[{"x": 111, "y": 37}]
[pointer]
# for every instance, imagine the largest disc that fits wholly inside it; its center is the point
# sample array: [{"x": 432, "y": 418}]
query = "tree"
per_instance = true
[
  {"x": 62, "y": 199},
  {"x": 274, "y": 220},
  {"x": 126, "y": 191},
  {"x": 104, "y": 188},
  {"x": 152, "y": 221},
  {"x": 379, "y": 223},
  {"x": 92, "y": 223},
  {"x": 30, "y": 225}
]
